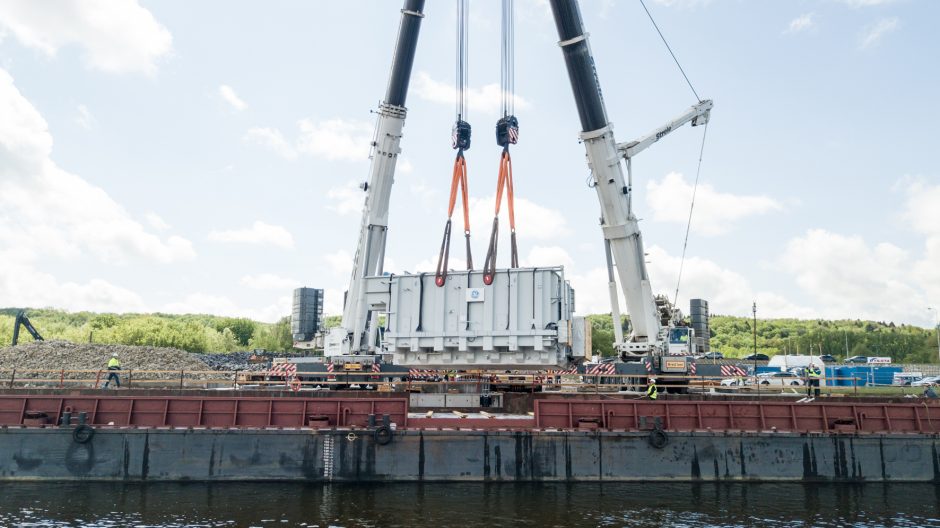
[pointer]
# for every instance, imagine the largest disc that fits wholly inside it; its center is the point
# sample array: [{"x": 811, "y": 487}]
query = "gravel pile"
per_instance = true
[
  {"x": 56, "y": 355},
  {"x": 235, "y": 361}
]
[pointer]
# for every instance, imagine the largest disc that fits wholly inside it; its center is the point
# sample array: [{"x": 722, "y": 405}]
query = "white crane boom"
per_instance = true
[
  {"x": 357, "y": 332},
  {"x": 698, "y": 114},
  {"x": 622, "y": 237}
]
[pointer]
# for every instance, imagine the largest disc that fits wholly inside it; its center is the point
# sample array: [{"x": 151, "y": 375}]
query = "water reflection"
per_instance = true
[{"x": 468, "y": 504}]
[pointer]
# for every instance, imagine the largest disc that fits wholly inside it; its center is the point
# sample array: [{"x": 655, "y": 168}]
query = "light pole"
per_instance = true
[
  {"x": 937, "y": 327},
  {"x": 756, "y": 379}
]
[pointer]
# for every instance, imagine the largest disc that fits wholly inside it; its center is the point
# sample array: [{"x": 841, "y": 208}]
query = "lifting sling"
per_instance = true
[
  {"x": 507, "y": 133},
  {"x": 461, "y": 142}
]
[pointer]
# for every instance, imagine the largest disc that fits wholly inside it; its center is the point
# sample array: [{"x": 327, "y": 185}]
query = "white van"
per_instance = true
[
  {"x": 786, "y": 362},
  {"x": 906, "y": 378}
]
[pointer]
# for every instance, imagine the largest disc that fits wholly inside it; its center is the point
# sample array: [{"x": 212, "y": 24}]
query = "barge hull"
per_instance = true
[{"x": 340, "y": 454}]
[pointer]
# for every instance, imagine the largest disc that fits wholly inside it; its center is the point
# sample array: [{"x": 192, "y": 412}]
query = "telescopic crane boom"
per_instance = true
[
  {"x": 622, "y": 237},
  {"x": 356, "y": 335}
]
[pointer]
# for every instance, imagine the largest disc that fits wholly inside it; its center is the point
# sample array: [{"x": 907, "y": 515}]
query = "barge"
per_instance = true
[{"x": 204, "y": 437}]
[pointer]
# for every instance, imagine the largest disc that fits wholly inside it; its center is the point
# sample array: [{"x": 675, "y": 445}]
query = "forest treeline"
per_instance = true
[
  {"x": 195, "y": 333},
  {"x": 733, "y": 336}
]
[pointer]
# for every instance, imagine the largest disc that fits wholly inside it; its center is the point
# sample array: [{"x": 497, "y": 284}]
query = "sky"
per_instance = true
[{"x": 205, "y": 157}]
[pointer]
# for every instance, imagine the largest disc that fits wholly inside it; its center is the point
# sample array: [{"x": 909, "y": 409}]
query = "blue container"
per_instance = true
[
  {"x": 885, "y": 375},
  {"x": 847, "y": 373},
  {"x": 863, "y": 375}
]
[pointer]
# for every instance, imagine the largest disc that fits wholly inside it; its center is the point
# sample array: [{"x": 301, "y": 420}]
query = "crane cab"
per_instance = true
[{"x": 681, "y": 341}]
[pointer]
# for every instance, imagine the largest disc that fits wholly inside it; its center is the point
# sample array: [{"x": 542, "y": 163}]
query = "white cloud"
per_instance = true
[
  {"x": 116, "y": 36},
  {"x": 268, "y": 281},
  {"x": 801, "y": 23},
  {"x": 22, "y": 285},
  {"x": 873, "y": 34},
  {"x": 533, "y": 221},
  {"x": 335, "y": 139},
  {"x": 340, "y": 262},
  {"x": 920, "y": 207},
  {"x": 683, "y": 4},
  {"x": 346, "y": 199},
  {"x": 272, "y": 139},
  {"x": 229, "y": 96},
  {"x": 258, "y": 233},
  {"x": 425, "y": 194},
  {"x": 923, "y": 216},
  {"x": 487, "y": 98},
  {"x": 541, "y": 256},
  {"x": 330, "y": 139},
  {"x": 45, "y": 210},
  {"x": 156, "y": 221},
  {"x": 847, "y": 277},
  {"x": 404, "y": 166},
  {"x": 728, "y": 292},
  {"x": 333, "y": 301},
  {"x": 866, "y": 3},
  {"x": 206, "y": 303},
  {"x": 202, "y": 303},
  {"x": 715, "y": 212},
  {"x": 84, "y": 118}
]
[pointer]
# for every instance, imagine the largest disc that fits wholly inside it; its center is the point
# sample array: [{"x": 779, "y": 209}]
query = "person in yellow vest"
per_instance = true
[
  {"x": 651, "y": 391},
  {"x": 813, "y": 373},
  {"x": 114, "y": 365}
]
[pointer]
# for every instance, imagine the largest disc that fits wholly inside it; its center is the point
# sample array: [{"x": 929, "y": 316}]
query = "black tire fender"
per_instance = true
[
  {"x": 658, "y": 438},
  {"x": 83, "y": 434},
  {"x": 382, "y": 435}
]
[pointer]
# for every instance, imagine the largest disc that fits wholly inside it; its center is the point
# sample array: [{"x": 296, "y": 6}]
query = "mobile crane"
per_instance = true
[
  {"x": 354, "y": 340},
  {"x": 652, "y": 323},
  {"x": 658, "y": 341}
]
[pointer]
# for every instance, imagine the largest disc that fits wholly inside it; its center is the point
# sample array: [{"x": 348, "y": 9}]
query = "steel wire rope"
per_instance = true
[
  {"x": 507, "y": 133},
  {"x": 461, "y": 142},
  {"x": 668, "y": 47},
  {"x": 698, "y": 168},
  {"x": 688, "y": 225}
]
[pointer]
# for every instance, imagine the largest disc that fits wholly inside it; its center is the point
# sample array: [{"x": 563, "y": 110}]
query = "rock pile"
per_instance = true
[
  {"x": 235, "y": 361},
  {"x": 56, "y": 355}
]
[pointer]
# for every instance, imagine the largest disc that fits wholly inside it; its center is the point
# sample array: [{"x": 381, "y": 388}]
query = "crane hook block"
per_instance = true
[
  {"x": 461, "y": 135},
  {"x": 507, "y": 131}
]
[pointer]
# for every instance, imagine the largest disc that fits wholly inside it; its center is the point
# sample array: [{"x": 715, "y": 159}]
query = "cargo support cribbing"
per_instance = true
[
  {"x": 507, "y": 133},
  {"x": 461, "y": 142}
]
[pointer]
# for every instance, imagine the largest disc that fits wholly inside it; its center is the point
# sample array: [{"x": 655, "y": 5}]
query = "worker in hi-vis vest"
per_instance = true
[
  {"x": 651, "y": 389},
  {"x": 813, "y": 373},
  {"x": 114, "y": 365}
]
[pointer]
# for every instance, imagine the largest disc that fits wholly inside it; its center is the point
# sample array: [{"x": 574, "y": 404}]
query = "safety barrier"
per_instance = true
[
  {"x": 432, "y": 381},
  {"x": 182, "y": 411},
  {"x": 745, "y": 416},
  {"x": 427, "y": 380}
]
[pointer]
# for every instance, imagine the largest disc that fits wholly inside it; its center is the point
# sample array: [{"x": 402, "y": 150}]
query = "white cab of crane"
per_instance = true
[{"x": 681, "y": 341}]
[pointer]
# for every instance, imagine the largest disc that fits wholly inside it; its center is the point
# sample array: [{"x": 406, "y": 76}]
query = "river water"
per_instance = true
[{"x": 467, "y": 505}]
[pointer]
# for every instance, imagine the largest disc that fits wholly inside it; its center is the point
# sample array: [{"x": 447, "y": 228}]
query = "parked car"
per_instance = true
[
  {"x": 904, "y": 379},
  {"x": 757, "y": 357},
  {"x": 736, "y": 382},
  {"x": 926, "y": 382},
  {"x": 827, "y": 358},
  {"x": 779, "y": 378},
  {"x": 713, "y": 355},
  {"x": 857, "y": 359}
]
